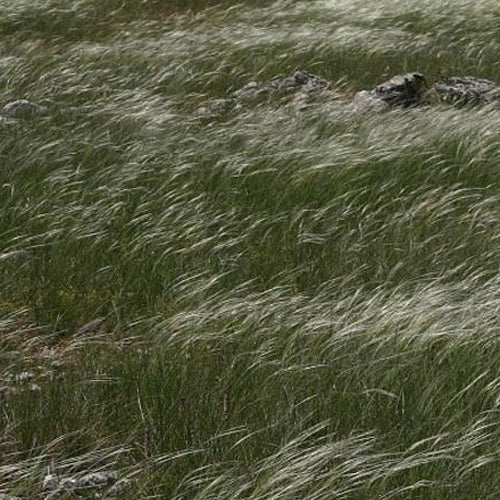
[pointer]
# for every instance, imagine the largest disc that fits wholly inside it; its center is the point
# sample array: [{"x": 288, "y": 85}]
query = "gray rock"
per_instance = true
[
  {"x": 251, "y": 91},
  {"x": 23, "y": 109},
  {"x": 400, "y": 91},
  {"x": 302, "y": 85},
  {"x": 98, "y": 480},
  {"x": 365, "y": 100},
  {"x": 301, "y": 89},
  {"x": 94, "y": 481},
  {"x": 4, "y": 496},
  {"x": 49, "y": 482},
  {"x": 465, "y": 90}
]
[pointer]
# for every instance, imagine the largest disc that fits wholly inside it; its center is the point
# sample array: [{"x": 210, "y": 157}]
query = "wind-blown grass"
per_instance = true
[{"x": 269, "y": 303}]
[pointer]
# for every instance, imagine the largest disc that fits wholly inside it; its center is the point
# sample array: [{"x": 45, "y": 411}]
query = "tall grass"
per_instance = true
[{"x": 263, "y": 304}]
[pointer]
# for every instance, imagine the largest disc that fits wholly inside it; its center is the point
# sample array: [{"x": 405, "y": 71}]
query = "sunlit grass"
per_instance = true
[{"x": 269, "y": 303}]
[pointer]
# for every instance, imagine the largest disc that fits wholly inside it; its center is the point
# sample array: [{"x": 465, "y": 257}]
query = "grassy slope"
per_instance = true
[{"x": 271, "y": 305}]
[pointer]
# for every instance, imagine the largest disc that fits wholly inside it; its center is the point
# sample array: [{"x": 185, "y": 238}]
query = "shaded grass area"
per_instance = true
[
  {"x": 57, "y": 21},
  {"x": 267, "y": 304}
]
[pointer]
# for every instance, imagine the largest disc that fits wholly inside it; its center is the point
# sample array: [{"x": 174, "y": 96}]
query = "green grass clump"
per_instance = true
[{"x": 268, "y": 303}]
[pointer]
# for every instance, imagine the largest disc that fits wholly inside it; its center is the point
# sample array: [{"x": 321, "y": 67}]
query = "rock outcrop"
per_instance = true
[
  {"x": 465, "y": 90},
  {"x": 400, "y": 91},
  {"x": 300, "y": 89},
  {"x": 301, "y": 85}
]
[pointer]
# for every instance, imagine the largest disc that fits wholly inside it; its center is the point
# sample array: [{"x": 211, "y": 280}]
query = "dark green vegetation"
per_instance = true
[{"x": 270, "y": 304}]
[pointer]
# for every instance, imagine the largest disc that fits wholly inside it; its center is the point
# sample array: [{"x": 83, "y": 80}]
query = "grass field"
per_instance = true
[{"x": 269, "y": 304}]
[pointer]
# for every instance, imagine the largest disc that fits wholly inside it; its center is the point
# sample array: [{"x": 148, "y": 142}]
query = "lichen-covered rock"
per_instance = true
[
  {"x": 97, "y": 482},
  {"x": 465, "y": 90},
  {"x": 366, "y": 100},
  {"x": 23, "y": 109},
  {"x": 302, "y": 85},
  {"x": 400, "y": 91},
  {"x": 300, "y": 89}
]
